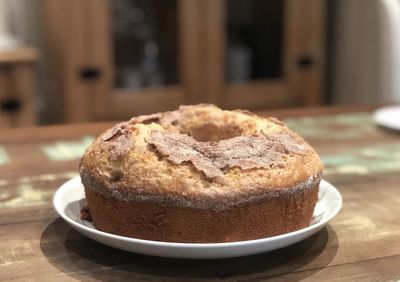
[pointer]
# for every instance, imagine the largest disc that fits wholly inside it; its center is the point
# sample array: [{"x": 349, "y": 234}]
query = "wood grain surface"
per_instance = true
[{"x": 361, "y": 244}]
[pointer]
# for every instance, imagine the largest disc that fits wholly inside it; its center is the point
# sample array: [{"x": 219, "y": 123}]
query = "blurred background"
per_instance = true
[{"x": 95, "y": 60}]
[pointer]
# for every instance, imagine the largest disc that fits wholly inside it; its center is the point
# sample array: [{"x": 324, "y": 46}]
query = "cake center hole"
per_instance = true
[{"x": 213, "y": 132}]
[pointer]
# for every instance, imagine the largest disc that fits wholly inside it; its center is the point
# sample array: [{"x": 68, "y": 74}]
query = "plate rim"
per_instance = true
[
  {"x": 66, "y": 185},
  {"x": 377, "y": 116}
]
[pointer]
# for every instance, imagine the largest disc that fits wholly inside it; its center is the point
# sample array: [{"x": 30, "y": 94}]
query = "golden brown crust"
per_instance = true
[
  {"x": 247, "y": 221},
  {"x": 198, "y": 158}
]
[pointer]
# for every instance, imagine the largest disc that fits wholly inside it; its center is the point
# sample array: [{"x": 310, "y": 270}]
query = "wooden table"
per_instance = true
[{"x": 361, "y": 243}]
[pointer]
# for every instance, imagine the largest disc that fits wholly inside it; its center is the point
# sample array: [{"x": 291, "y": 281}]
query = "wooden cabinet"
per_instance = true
[
  {"x": 116, "y": 59},
  {"x": 18, "y": 87}
]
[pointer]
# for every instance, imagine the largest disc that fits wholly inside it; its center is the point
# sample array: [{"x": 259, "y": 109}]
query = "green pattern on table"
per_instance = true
[
  {"x": 26, "y": 191},
  {"x": 326, "y": 127},
  {"x": 341, "y": 127},
  {"x": 378, "y": 158},
  {"x": 4, "y": 158},
  {"x": 67, "y": 150}
]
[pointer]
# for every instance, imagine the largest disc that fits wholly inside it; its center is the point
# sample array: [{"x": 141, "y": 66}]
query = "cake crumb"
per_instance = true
[{"x": 85, "y": 214}]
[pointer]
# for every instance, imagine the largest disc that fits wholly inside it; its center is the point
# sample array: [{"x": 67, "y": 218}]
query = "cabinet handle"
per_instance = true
[
  {"x": 305, "y": 62},
  {"x": 90, "y": 73},
  {"x": 11, "y": 105}
]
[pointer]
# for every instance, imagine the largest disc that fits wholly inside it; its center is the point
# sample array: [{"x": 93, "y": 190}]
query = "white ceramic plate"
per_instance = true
[
  {"x": 388, "y": 117},
  {"x": 70, "y": 197}
]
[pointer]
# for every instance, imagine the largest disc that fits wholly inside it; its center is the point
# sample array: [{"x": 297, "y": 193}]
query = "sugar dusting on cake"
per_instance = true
[
  {"x": 166, "y": 119},
  {"x": 118, "y": 141},
  {"x": 246, "y": 152}
]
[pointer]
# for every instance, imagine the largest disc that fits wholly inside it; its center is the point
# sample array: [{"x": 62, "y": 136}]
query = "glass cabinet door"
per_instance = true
[
  {"x": 271, "y": 52},
  {"x": 144, "y": 37},
  {"x": 254, "y": 35},
  {"x": 143, "y": 48}
]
